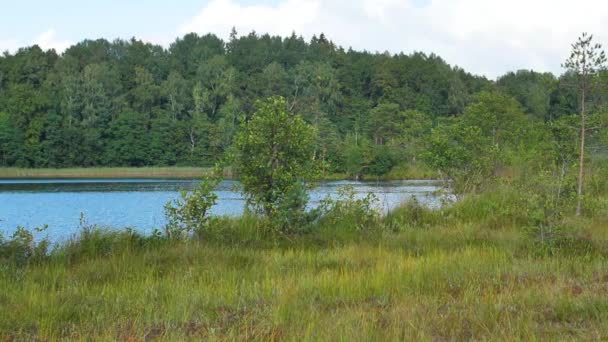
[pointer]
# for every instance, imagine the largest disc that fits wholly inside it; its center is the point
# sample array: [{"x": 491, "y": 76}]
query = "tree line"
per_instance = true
[{"x": 131, "y": 103}]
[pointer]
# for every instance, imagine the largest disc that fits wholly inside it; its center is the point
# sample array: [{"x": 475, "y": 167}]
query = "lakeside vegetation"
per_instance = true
[
  {"x": 518, "y": 251},
  {"x": 467, "y": 271},
  {"x": 184, "y": 172}
]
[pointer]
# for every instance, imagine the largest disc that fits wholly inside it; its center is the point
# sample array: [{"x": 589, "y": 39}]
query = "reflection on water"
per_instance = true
[{"x": 138, "y": 203}]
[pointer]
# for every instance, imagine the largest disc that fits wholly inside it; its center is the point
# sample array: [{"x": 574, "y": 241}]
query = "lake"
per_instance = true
[{"x": 138, "y": 203}]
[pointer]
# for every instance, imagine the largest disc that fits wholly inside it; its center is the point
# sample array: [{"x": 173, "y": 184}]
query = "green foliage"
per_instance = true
[
  {"x": 130, "y": 103},
  {"x": 461, "y": 156},
  {"x": 412, "y": 127},
  {"x": 275, "y": 159},
  {"x": 472, "y": 150},
  {"x": 349, "y": 211},
  {"x": 21, "y": 249},
  {"x": 357, "y": 155},
  {"x": 586, "y": 63},
  {"x": 533, "y": 90},
  {"x": 190, "y": 213},
  {"x": 383, "y": 161},
  {"x": 129, "y": 141},
  {"x": 11, "y": 142}
]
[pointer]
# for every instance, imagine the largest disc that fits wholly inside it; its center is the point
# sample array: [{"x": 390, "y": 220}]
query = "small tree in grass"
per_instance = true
[
  {"x": 190, "y": 212},
  {"x": 471, "y": 150},
  {"x": 275, "y": 161},
  {"x": 586, "y": 62}
]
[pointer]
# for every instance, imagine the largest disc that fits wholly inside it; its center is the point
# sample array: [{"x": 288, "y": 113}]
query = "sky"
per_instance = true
[{"x": 485, "y": 37}]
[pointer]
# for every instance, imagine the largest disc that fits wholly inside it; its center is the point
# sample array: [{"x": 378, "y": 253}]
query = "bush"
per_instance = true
[
  {"x": 21, "y": 249},
  {"x": 190, "y": 212},
  {"x": 383, "y": 161},
  {"x": 348, "y": 211},
  {"x": 291, "y": 215},
  {"x": 275, "y": 156}
]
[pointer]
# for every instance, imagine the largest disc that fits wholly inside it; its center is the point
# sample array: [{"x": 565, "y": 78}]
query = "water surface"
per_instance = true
[{"x": 138, "y": 203}]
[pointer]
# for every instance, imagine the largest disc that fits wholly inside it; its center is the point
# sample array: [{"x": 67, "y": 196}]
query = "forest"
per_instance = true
[{"x": 131, "y": 103}]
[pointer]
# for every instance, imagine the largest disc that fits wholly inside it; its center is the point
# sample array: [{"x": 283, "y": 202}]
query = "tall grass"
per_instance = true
[{"x": 416, "y": 286}]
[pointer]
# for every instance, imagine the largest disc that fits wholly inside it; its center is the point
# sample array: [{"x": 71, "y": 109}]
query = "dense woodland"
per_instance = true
[{"x": 130, "y": 103}]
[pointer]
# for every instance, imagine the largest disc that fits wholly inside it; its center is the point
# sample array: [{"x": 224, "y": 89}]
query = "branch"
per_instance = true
[{"x": 596, "y": 127}]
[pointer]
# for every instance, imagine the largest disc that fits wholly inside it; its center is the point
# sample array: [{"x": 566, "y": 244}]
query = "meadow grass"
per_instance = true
[{"x": 446, "y": 281}]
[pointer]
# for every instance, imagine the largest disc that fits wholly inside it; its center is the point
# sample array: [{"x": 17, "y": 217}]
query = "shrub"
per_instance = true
[
  {"x": 349, "y": 211},
  {"x": 21, "y": 249},
  {"x": 190, "y": 212},
  {"x": 275, "y": 156}
]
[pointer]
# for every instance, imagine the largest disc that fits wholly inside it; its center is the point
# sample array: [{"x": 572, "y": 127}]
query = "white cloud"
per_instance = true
[
  {"x": 48, "y": 40},
  {"x": 488, "y": 37},
  {"x": 9, "y": 45},
  {"x": 221, "y": 15}
]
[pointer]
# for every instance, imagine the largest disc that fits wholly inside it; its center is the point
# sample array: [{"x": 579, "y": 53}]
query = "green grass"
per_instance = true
[
  {"x": 412, "y": 171},
  {"x": 446, "y": 282},
  {"x": 110, "y": 172}
]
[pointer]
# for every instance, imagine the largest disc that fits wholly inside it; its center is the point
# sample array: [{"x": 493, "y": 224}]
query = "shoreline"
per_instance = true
[
  {"x": 174, "y": 172},
  {"x": 170, "y": 172}
]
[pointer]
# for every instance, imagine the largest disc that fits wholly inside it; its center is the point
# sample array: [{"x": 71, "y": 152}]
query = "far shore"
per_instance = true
[
  {"x": 182, "y": 172},
  {"x": 109, "y": 172}
]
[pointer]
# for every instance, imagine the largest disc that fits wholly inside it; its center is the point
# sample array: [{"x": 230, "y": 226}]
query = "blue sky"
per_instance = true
[
  {"x": 488, "y": 37},
  {"x": 75, "y": 19}
]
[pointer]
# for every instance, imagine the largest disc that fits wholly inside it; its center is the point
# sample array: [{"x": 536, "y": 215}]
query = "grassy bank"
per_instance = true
[
  {"x": 110, "y": 172},
  {"x": 411, "y": 172},
  {"x": 413, "y": 275}
]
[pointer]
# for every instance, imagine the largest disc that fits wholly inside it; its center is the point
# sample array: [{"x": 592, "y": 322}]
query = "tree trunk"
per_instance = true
[
  {"x": 192, "y": 142},
  {"x": 581, "y": 163}
]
